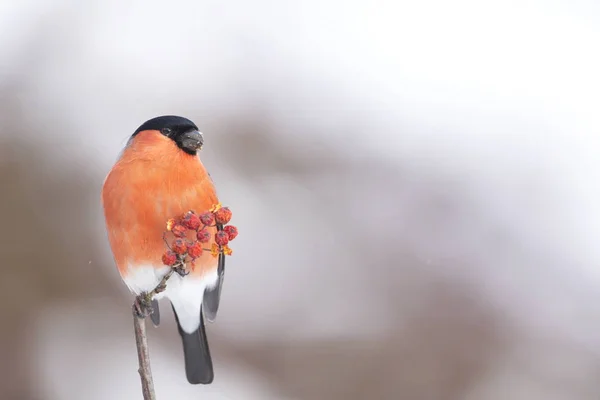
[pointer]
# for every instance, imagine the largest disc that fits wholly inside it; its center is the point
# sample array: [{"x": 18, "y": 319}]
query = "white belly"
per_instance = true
[{"x": 185, "y": 293}]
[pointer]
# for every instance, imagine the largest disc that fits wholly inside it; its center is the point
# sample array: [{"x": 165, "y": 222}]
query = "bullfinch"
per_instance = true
[{"x": 159, "y": 176}]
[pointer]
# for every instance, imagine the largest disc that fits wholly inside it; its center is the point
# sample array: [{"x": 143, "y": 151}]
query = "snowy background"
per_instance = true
[{"x": 428, "y": 173}]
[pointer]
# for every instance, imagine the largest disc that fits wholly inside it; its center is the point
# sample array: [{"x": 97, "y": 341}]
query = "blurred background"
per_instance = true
[{"x": 416, "y": 186}]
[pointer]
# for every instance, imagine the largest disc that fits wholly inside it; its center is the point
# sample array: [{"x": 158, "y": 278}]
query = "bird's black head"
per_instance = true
[{"x": 180, "y": 130}]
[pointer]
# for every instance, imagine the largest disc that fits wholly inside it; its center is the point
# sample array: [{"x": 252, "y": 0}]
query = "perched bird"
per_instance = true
[{"x": 159, "y": 176}]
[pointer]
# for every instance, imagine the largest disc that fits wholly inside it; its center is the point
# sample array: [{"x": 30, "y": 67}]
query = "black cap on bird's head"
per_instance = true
[{"x": 181, "y": 130}]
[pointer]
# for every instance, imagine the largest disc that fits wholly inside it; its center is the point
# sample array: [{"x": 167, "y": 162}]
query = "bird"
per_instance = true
[{"x": 157, "y": 176}]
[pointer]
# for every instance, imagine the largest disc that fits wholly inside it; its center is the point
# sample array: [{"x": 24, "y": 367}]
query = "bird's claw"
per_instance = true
[{"x": 143, "y": 305}]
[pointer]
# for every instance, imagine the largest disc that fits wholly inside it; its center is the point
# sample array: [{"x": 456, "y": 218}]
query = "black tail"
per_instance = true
[{"x": 198, "y": 363}]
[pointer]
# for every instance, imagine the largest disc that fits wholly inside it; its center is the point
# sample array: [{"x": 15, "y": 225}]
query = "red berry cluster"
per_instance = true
[{"x": 183, "y": 248}]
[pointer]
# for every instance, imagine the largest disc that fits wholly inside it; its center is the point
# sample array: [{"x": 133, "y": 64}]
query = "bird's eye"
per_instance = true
[{"x": 166, "y": 131}]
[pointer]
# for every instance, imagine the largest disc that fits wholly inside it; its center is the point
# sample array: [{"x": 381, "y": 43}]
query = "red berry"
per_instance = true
[
  {"x": 231, "y": 231},
  {"x": 179, "y": 230},
  {"x": 203, "y": 235},
  {"x": 191, "y": 221},
  {"x": 223, "y": 215},
  {"x": 178, "y": 246},
  {"x": 221, "y": 238},
  {"x": 207, "y": 218},
  {"x": 169, "y": 258},
  {"x": 195, "y": 250}
]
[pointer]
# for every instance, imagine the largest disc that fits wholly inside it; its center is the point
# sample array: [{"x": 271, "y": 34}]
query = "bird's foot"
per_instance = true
[{"x": 143, "y": 305}]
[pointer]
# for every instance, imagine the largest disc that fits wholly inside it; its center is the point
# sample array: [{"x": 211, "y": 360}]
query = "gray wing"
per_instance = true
[
  {"x": 212, "y": 296},
  {"x": 155, "y": 316}
]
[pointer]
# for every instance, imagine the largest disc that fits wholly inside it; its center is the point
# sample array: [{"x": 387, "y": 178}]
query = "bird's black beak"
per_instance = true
[{"x": 191, "y": 141}]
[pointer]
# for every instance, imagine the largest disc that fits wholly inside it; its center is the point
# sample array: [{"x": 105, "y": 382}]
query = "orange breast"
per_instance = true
[{"x": 152, "y": 182}]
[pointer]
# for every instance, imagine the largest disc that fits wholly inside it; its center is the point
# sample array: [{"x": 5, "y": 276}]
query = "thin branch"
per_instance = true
[
  {"x": 141, "y": 342},
  {"x": 141, "y": 309}
]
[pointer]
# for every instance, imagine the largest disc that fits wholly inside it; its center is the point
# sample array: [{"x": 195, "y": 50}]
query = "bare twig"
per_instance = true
[
  {"x": 139, "y": 324},
  {"x": 141, "y": 342}
]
